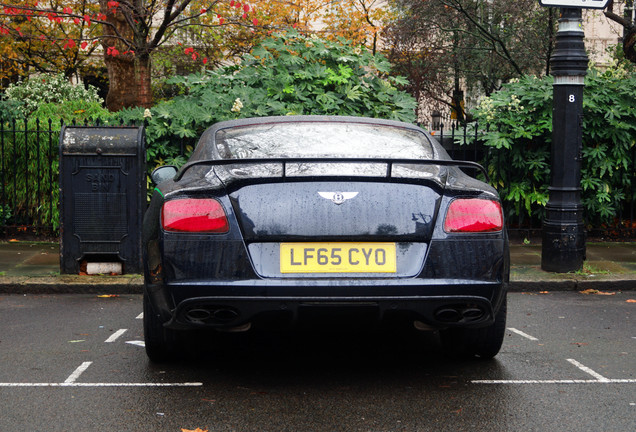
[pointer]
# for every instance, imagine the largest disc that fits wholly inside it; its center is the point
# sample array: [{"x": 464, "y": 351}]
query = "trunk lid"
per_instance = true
[{"x": 329, "y": 210}]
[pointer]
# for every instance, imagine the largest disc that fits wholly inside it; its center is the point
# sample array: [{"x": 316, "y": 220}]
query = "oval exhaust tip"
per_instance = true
[
  {"x": 225, "y": 315},
  {"x": 199, "y": 315},
  {"x": 448, "y": 315},
  {"x": 472, "y": 313}
]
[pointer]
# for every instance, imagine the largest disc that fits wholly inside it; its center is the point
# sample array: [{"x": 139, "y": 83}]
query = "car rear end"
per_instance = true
[{"x": 235, "y": 241}]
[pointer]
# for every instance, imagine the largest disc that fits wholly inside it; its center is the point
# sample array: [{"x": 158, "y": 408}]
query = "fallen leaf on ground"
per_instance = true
[
  {"x": 108, "y": 296},
  {"x": 13, "y": 240},
  {"x": 631, "y": 301},
  {"x": 544, "y": 292},
  {"x": 597, "y": 292},
  {"x": 194, "y": 430}
]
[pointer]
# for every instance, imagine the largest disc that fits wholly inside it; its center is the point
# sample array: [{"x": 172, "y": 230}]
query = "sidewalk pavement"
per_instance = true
[{"x": 34, "y": 268}]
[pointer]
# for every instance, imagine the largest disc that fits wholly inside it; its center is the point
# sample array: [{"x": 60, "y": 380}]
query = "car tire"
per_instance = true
[
  {"x": 483, "y": 343},
  {"x": 161, "y": 343}
]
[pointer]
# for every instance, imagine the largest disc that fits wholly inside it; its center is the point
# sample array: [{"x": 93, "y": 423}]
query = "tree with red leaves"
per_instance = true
[
  {"x": 131, "y": 31},
  {"x": 45, "y": 42}
]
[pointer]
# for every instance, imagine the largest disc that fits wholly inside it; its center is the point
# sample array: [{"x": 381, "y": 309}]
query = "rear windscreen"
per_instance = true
[{"x": 321, "y": 139}]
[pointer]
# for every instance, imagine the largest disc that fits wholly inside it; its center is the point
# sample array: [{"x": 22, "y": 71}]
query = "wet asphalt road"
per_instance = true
[{"x": 73, "y": 363}]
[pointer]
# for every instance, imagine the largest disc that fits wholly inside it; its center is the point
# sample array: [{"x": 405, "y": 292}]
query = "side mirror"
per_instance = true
[{"x": 163, "y": 173}]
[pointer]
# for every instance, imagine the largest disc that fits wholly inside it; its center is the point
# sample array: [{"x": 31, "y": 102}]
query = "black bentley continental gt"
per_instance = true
[{"x": 300, "y": 219}]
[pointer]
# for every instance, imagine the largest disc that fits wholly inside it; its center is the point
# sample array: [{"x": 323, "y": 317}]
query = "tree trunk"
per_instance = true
[
  {"x": 629, "y": 28},
  {"x": 128, "y": 66},
  {"x": 129, "y": 82},
  {"x": 629, "y": 44}
]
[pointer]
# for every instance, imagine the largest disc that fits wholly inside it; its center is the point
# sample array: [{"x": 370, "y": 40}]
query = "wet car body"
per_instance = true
[{"x": 318, "y": 228}]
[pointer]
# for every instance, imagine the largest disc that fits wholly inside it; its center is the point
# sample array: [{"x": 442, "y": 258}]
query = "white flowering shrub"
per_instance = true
[{"x": 43, "y": 89}]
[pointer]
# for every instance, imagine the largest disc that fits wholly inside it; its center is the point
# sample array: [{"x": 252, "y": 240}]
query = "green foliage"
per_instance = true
[
  {"x": 43, "y": 89},
  {"x": 9, "y": 109},
  {"x": 69, "y": 111},
  {"x": 5, "y": 214},
  {"x": 519, "y": 136},
  {"x": 289, "y": 74}
]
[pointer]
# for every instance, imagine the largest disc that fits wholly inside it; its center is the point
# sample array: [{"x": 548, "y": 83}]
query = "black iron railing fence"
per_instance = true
[
  {"x": 29, "y": 173},
  {"x": 28, "y": 176}
]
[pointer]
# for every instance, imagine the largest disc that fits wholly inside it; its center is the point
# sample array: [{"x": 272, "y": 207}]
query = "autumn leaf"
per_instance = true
[
  {"x": 194, "y": 430},
  {"x": 108, "y": 296},
  {"x": 597, "y": 292},
  {"x": 631, "y": 301}
]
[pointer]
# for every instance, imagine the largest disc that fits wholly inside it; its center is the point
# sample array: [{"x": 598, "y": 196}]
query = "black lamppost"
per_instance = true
[{"x": 563, "y": 247}]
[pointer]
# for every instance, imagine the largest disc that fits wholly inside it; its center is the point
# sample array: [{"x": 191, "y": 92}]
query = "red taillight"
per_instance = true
[
  {"x": 194, "y": 215},
  {"x": 473, "y": 215}
]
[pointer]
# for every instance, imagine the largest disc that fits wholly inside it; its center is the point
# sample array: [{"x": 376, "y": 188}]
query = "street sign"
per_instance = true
[{"x": 582, "y": 4}]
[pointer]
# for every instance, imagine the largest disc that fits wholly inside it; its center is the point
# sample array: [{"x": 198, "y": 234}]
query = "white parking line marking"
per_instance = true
[
  {"x": 586, "y": 369},
  {"x": 140, "y": 316},
  {"x": 115, "y": 335},
  {"x": 609, "y": 381},
  {"x": 70, "y": 382},
  {"x": 600, "y": 379},
  {"x": 137, "y": 343},
  {"x": 75, "y": 375},
  {"x": 186, "y": 384},
  {"x": 520, "y": 333}
]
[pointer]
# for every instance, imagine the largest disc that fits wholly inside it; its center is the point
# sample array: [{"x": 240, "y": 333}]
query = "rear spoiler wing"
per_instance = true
[{"x": 315, "y": 160}]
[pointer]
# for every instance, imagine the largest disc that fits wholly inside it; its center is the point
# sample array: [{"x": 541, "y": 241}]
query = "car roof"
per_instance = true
[{"x": 311, "y": 118}]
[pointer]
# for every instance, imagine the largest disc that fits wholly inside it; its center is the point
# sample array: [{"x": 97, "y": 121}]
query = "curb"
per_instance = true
[
  {"x": 573, "y": 285},
  {"x": 132, "y": 284}
]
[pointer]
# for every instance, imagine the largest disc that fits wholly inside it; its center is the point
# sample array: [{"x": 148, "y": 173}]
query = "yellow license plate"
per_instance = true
[{"x": 337, "y": 258}]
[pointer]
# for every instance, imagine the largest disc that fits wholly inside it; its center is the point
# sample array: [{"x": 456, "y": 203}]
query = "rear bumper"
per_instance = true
[{"x": 466, "y": 304}]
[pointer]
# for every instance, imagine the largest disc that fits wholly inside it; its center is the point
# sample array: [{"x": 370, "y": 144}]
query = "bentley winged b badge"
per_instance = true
[{"x": 338, "y": 197}]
